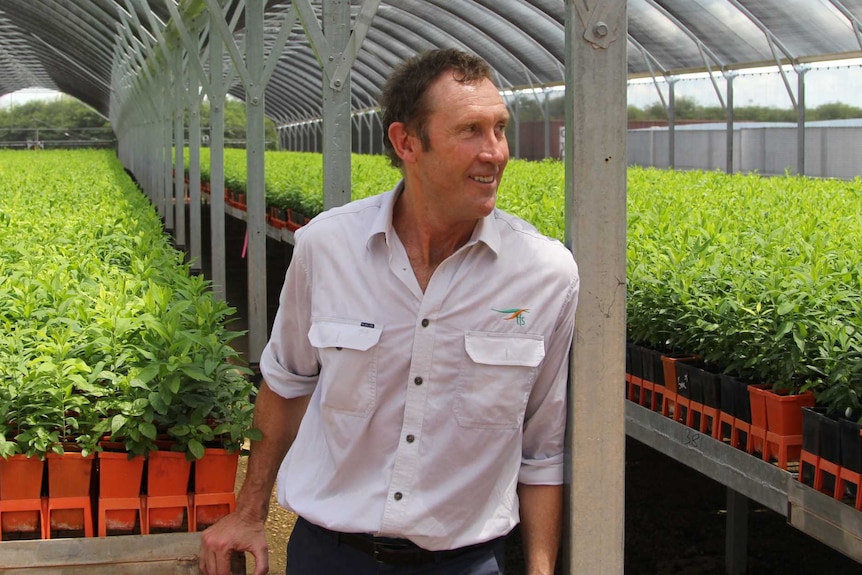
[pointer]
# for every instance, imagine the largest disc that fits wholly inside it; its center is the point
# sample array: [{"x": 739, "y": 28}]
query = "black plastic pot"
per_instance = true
[
  {"x": 810, "y": 442},
  {"x": 633, "y": 359},
  {"x": 653, "y": 369},
  {"x": 728, "y": 395},
  {"x": 742, "y": 405},
  {"x": 851, "y": 444},
  {"x": 830, "y": 438},
  {"x": 684, "y": 372},
  {"x": 703, "y": 386},
  {"x": 811, "y": 430}
]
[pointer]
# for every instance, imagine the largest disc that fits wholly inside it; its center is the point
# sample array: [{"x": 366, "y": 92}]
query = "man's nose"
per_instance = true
[{"x": 495, "y": 149}]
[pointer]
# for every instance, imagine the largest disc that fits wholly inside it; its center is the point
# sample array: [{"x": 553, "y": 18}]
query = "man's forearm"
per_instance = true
[
  {"x": 541, "y": 510},
  {"x": 278, "y": 419}
]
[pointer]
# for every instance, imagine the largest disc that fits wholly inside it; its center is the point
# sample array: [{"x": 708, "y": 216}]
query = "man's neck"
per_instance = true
[{"x": 427, "y": 238}]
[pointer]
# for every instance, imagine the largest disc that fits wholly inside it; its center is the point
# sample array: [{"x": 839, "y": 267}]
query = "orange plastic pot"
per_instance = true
[
  {"x": 21, "y": 487},
  {"x": 120, "y": 478},
  {"x": 214, "y": 480},
  {"x": 168, "y": 474},
  {"x": 757, "y": 399},
  {"x": 69, "y": 477},
  {"x": 784, "y": 411}
]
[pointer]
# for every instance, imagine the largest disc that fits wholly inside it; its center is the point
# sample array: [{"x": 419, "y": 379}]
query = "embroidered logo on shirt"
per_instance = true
[{"x": 516, "y": 314}]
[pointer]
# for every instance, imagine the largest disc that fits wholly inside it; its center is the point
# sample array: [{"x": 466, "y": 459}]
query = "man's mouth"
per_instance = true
[{"x": 483, "y": 179}]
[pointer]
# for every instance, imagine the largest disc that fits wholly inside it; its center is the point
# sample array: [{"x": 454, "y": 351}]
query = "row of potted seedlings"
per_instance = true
[
  {"x": 831, "y": 457},
  {"x": 759, "y": 279},
  {"x": 822, "y": 448},
  {"x": 294, "y": 182},
  {"x": 112, "y": 356},
  {"x": 276, "y": 216},
  {"x": 114, "y": 492}
]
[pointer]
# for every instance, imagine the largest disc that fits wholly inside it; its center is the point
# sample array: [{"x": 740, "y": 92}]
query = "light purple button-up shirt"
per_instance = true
[{"x": 427, "y": 409}]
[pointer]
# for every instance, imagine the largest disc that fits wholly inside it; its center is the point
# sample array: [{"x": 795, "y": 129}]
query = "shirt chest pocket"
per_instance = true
[
  {"x": 348, "y": 358},
  {"x": 496, "y": 379}
]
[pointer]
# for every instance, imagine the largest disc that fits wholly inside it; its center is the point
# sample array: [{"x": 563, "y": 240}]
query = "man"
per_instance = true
[{"x": 417, "y": 366}]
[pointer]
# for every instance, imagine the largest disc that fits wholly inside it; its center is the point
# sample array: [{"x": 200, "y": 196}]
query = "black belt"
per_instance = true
[{"x": 395, "y": 551}]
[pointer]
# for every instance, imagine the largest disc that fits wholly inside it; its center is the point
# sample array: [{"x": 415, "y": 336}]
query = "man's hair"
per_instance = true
[{"x": 403, "y": 97}]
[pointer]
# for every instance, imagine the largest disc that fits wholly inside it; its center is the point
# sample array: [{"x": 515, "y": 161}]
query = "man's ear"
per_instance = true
[{"x": 404, "y": 142}]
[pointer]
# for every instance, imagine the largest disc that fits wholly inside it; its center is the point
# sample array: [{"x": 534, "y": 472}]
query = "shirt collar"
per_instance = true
[{"x": 486, "y": 230}]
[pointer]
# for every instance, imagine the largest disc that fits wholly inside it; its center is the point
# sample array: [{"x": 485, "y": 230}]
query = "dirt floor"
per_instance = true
[{"x": 675, "y": 525}]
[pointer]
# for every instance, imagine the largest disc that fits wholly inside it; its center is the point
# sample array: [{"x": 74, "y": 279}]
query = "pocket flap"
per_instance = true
[
  {"x": 505, "y": 349},
  {"x": 353, "y": 335}
]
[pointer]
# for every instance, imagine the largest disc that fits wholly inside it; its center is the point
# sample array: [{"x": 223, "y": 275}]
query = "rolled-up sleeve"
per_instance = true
[
  {"x": 542, "y": 461},
  {"x": 289, "y": 363}
]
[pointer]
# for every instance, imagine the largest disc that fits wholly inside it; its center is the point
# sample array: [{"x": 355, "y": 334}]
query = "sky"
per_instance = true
[
  {"x": 839, "y": 81},
  {"x": 824, "y": 84},
  {"x": 26, "y": 95}
]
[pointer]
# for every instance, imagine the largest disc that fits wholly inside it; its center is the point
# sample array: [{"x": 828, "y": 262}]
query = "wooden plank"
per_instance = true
[
  {"x": 149, "y": 568},
  {"x": 154, "y": 554},
  {"x": 826, "y": 519}
]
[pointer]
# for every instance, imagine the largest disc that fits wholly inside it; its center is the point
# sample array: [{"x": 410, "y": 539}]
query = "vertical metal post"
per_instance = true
[
  {"x": 517, "y": 126},
  {"x": 146, "y": 154},
  {"x": 179, "y": 151},
  {"x": 167, "y": 184},
  {"x": 336, "y": 111},
  {"x": 800, "y": 122},
  {"x": 736, "y": 536},
  {"x": 217, "y": 97},
  {"x": 194, "y": 174},
  {"x": 547, "y": 125},
  {"x": 595, "y": 162},
  {"x": 728, "y": 167},
  {"x": 371, "y": 121},
  {"x": 671, "y": 122},
  {"x": 256, "y": 192}
]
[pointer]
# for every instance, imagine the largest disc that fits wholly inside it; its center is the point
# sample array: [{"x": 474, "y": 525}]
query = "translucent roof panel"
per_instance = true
[{"x": 71, "y": 45}]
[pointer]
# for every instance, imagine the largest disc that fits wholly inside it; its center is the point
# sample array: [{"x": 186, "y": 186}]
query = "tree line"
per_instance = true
[
  {"x": 531, "y": 109},
  {"x": 66, "y": 121}
]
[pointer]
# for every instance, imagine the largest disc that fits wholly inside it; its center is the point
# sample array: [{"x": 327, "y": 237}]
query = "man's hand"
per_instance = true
[
  {"x": 233, "y": 533},
  {"x": 243, "y": 530}
]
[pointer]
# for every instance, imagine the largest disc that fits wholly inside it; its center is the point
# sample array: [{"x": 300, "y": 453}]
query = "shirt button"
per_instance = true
[
  {"x": 425, "y": 322},
  {"x": 418, "y": 381},
  {"x": 398, "y": 496},
  {"x": 411, "y": 438}
]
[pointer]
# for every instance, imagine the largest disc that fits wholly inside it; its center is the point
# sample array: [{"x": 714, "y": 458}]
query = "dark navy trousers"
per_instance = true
[{"x": 314, "y": 551}]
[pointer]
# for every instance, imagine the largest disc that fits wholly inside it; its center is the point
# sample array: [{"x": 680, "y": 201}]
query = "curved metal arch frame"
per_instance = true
[{"x": 518, "y": 37}]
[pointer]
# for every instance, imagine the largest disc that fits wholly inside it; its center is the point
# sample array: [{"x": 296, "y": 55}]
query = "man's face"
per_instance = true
[{"x": 460, "y": 170}]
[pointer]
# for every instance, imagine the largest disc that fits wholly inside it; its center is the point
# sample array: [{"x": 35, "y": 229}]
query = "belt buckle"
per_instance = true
[{"x": 376, "y": 551}]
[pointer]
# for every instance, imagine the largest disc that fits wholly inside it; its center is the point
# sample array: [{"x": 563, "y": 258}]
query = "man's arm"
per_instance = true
[
  {"x": 278, "y": 419},
  {"x": 541, "y": 524}
]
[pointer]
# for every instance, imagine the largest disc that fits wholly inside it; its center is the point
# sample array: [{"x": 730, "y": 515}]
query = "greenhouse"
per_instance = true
[{"x": 138, "y": 285}]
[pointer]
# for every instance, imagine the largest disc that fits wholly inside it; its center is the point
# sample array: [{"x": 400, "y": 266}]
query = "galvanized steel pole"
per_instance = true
[
  {"x": 255, "y": 192},
  {"x": 336, "y": 109},
  {"x": 800, "y": 119},
  {"x": 730, "y": 148},
  {"x": 216, "y": 98},
  {"x": 179, "y": 205},
  {"x": 595, "y": 160}
]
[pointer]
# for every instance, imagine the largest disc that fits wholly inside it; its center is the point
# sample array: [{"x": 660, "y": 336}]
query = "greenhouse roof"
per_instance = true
[{"x": 72, "y": 45}]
